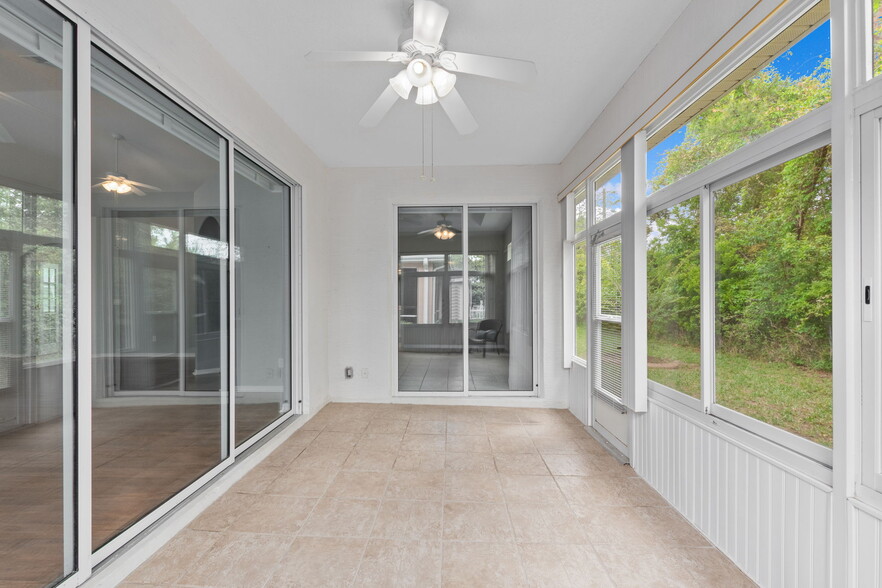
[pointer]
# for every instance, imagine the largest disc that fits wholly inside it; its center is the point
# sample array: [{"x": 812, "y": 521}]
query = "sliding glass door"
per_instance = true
[
  {"x": 160, "y": 265},
  {"x": 465, "y": 300}
]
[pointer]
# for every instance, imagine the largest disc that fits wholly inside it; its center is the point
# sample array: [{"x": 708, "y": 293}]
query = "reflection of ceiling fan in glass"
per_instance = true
[
  {"x": 443, "y": 230},
  {"x": 119, "y": 183},
  {"x": 430, "y": 69}
]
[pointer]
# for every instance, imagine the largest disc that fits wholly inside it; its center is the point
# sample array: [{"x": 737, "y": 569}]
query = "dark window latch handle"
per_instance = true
[{"x": 866, "y": 294}]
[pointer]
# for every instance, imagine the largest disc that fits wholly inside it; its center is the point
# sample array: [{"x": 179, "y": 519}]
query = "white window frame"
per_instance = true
[
  {"x": 596, "y": 234},
  {"x": 869, "y": 119},
  {"x": 570, "y": 243}
]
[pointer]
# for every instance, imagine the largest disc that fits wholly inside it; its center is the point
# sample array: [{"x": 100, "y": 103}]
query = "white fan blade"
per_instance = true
[
  {"x": 142, "y": 185},
  {"x": 380, "y": 108},
  {"x": 137, "y": 191},
  {"x": 356, "y": 56},
  {"x": 427, "y": 231},
  {"x": 501, "y": 68},
  {"x": 429, "y": 19},
  {"x": 458, "y": 113}
]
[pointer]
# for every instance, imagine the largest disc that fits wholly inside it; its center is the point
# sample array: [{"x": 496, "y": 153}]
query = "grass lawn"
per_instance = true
[
  {"x": 582, "y": 340},
  {"x": 790, "y": 397}
]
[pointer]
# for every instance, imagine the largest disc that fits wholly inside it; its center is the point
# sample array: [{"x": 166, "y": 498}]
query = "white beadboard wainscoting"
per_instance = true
[
  {"x": 866, "y": 526},
  {"x": 578, "y": 393},
  {"x": 766, "y": 508}
]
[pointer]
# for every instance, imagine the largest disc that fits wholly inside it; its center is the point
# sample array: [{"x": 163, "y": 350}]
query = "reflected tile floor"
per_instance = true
[
  {"x": 442, "y": 372},
  {"x": 141, "y": 456},
  {"x": 406, "y": 495}
]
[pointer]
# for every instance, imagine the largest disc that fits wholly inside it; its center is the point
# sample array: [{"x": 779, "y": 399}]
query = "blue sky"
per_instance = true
[{"x": 801, "y": 60}]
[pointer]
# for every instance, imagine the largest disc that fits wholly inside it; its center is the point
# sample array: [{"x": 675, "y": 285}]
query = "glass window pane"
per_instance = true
[
  {"x": 606, "y": 325},
  {"x": 159, "y": 217},
  {"x": 263, "y": 298},
  {"x": 581, "y": 299},
  {"x": 36, "y": 282},
  {"x": 876, "y": 33},
  {"x": 580, "y": 208},
  {"x": 773, "y": 256},
  {"x": 501, "y": 298},
  {"x": 431, "y": 299},
  {"x": 673, "y": 267},
  {"x": 608, "y": 194},
  {"x": 784, "y": 80}
]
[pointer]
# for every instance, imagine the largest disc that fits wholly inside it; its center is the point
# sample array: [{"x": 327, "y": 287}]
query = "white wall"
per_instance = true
[
  {"x": 156, "y": 35},
  {"x": 362, "y": 294}
]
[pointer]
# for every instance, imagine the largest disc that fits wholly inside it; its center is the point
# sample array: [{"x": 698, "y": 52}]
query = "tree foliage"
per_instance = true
[{"x": 772, "y": 231}]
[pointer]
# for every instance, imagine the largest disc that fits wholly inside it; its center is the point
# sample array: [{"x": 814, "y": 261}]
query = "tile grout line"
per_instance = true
[
  {"x": 306, "y": 518},
  {"x": 377, "y": 514}
]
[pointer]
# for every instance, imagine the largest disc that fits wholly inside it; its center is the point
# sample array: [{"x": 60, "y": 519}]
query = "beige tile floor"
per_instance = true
[{"x": 401, "y": 495}]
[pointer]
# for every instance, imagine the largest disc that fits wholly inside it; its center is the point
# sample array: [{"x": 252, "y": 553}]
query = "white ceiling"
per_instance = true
[{"x": 584, "y": 51}]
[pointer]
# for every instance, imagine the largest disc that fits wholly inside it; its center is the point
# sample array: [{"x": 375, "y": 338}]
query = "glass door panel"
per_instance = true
[
  {"x": 500, "y": 300},
  {"x": 160, "y": 261},
  {"x": 263, "y": 298},
  {"x": 431, "y": 299},
  {"x": 36, "y": 283}
]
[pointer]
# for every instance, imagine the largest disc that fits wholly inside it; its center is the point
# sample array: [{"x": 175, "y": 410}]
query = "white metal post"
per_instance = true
[
  {"x": 851, "y": 63},
  {"x": 84, "y": 297},
  {"x": 228, "y": 295},
  {"x": 634, "y": 393},
  {"x": 68, "y": 387},
  {"x": 467, "y": 300},
  {"x": 707, "y": 300}
]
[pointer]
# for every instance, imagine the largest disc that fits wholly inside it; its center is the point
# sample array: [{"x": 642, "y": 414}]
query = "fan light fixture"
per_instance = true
[
  {"x": 117, "y": 182},
  {"x": 430, "y": 67},
  {"x": 444, "y": 233},
  {"x": 119, "y": 185},
  {"x": 419, "y": 72}
]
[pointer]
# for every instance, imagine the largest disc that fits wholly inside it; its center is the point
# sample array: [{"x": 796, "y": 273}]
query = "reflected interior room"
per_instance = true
[
  {"x": 493, "y": 312},
  {"x": 440, "y": 294}
]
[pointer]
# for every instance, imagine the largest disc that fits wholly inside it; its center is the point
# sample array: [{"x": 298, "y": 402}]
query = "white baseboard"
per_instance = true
[{"x": 500, "y": 401}]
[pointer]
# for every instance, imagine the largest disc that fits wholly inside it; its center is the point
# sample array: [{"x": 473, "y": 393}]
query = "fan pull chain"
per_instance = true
[
  {"x": 423, "y": 143},
  {"x": 432, "y": 140}
]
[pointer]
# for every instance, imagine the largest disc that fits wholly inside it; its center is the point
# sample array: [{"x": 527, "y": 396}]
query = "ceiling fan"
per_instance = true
[
  {"x": 119, "y": 183},
  {"x": 431, "y": 69},
  {"x": 442, "y": 230}
]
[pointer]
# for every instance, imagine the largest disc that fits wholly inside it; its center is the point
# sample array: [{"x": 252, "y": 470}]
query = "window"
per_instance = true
[
  {"x": 739, "y": 246},
  {"x": 607, "y": 318},
  {"x": 673, "y": 286},
  {"x": 575, "y": 274},
  {"x": 787, "y": 78},
  {"x": 580, "y": 270},
  {"x": 580, "y": 209},
  {"x": 773, "y": 286},
  {"x": 608, "y": 194},
  {"x": 876, "y": 35}
]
